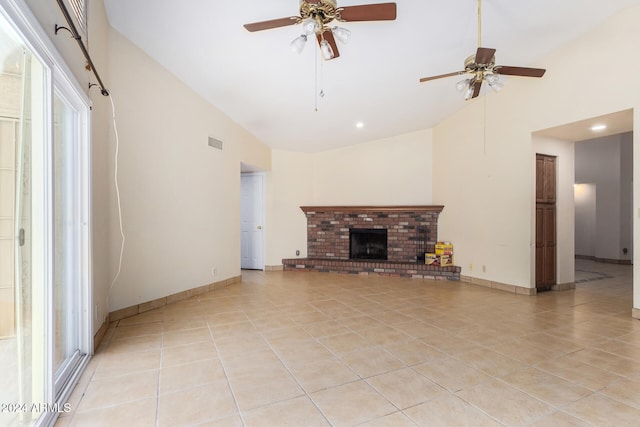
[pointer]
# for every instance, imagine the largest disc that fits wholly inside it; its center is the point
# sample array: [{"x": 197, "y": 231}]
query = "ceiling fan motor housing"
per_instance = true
[
  {"x": 470, "y": 64},
  {"x": 324, "y": 10}
]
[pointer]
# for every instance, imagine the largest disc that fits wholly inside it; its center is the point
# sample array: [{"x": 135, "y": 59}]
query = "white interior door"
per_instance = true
[{"x": 251, "y": 222}]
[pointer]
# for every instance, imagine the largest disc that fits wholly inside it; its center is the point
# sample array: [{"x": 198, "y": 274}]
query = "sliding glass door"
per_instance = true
[
  {"x": 22, "y": 343},
  {"x": 45, "y": 322}
]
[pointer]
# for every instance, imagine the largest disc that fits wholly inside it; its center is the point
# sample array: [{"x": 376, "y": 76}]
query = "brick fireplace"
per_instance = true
[{"x": 410, "y": 232}]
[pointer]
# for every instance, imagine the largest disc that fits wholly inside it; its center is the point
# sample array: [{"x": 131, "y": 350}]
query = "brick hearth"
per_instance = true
[{"x": 411, "y": 231}]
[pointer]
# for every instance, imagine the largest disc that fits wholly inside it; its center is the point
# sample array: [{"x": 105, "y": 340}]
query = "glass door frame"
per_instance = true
[{"x": 81, "y": 236}]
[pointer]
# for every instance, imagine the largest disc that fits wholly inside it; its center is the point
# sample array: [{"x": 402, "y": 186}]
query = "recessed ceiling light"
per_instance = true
[
  {"x": 598, "y": 128},
  {"x": 359, "y": 125}
]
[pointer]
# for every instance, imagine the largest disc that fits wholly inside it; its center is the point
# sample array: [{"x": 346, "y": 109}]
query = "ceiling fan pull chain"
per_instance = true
[
  {"x": 484, "y": 127},
  {"x": 315, "y": 66},
  {"x": 321, "y": 79}
]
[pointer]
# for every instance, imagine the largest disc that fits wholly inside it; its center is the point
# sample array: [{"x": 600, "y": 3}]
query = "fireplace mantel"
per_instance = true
[{"x": 416, "y": 208}]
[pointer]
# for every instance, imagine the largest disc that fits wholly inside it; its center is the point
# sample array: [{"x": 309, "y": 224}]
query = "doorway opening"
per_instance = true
[
  {"x": 597, "y": 161},
  {"x": 604, "y": 199}
]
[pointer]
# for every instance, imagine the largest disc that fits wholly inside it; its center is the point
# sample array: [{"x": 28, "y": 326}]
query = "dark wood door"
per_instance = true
[
  {"x": 545, "y": 179},
  {"x": 545, "y": 222},
  {"x": 545, "y": 246}
]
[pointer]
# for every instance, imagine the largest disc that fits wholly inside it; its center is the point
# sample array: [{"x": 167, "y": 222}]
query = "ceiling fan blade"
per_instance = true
[
  {"x": 328, "y": 36},
  {"x": 484, "y": 55},
  {"x": 476, "y": 89},
  {"x": 368, "y": 12},
  {"x": 273, "y": 23},
  {"x": 519, "y": 71},
  {"x": 441, "y": 76}
]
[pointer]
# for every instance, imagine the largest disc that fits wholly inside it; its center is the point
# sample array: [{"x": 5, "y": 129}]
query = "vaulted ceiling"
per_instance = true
[{"x": 300, "y": 102}]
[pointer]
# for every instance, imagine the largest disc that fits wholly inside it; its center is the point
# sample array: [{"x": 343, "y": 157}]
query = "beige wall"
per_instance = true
[
  {"x": 180, "y": 197},
  {"x": 491, "y": 191},
  {"x": 484, "y": 185},
  {"x": 102, "y": 148},
  {"x": 288, "y": 186},
  {"x": 391, "y": 171}
]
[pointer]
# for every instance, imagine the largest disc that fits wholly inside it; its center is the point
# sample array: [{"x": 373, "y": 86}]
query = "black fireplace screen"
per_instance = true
[
  {"x": 422, "y": 244},
  {"x": 368, "y": 243}
]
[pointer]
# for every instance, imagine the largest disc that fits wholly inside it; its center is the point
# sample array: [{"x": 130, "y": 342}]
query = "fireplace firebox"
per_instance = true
[{"x": 368, "y": 243}]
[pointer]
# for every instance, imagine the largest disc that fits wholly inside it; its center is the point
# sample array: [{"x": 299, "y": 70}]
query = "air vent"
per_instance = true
[{"x": 215, "y": 143}]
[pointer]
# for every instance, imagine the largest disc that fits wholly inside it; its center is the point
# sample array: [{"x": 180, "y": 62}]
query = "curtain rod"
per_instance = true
[{"x": 74, "y": 32}]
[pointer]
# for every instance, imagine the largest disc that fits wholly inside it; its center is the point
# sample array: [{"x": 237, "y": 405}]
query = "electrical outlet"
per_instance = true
[
  {"x": 214, "y": 271},
  {"x": 470, "y": 267},
  {"x": 484, "y": 268}
]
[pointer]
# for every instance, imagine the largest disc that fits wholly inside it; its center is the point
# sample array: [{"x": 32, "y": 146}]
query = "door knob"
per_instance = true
[{"x": 259, "y": 227}]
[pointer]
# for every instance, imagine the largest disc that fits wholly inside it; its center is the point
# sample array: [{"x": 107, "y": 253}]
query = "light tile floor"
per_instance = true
[{"x": 305, "y": 349}]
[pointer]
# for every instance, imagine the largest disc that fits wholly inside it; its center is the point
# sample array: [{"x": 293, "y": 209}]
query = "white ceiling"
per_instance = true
[
  {"x": 583, "y": 130},
  {"x": 272, "y": 92}
]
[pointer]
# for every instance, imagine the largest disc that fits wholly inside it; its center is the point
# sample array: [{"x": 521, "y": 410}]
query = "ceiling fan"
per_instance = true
[
  {"x": 315, "y": 15},
  {"x": 482, "y": 67}
]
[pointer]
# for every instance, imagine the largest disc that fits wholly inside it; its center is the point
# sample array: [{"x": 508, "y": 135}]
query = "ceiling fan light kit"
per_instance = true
[
  {"x": 309, "y": 26},
  {"x": 297, "y": 45},
  {"x": 342, "y": 34},
  {"x": 327, "y": 51}
]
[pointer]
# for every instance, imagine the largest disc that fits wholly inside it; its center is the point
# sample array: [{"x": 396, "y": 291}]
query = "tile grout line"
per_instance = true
[
  {"x": 226, "y": 374},
  {"x": 160, "y": 375}
]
